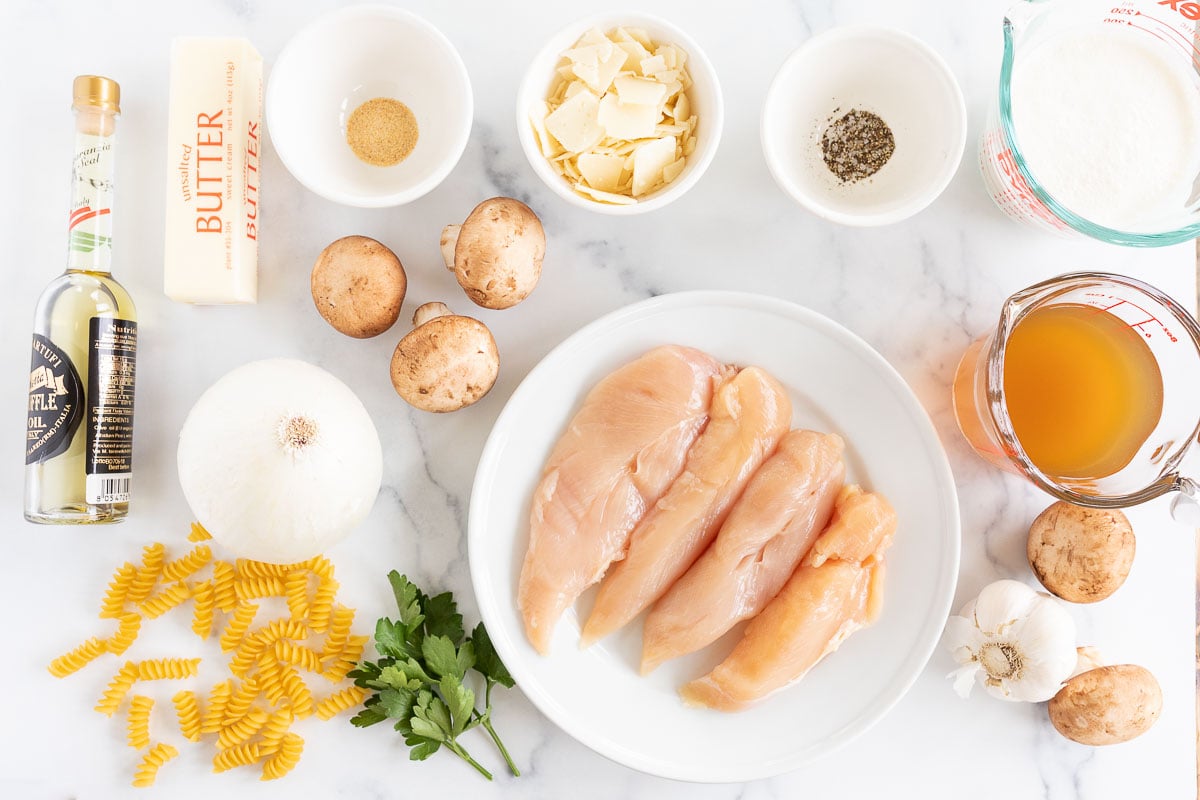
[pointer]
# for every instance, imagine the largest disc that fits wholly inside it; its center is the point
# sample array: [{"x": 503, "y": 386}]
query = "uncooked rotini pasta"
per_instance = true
[
  {"x": 282, "y": 628},
  {"x": 214, "y": 713},
  {"x": 78, "y": 658},
  {"x": 241, "y": 730},
  {"x": 203, "y": 605},
  {"x": 338, "y": 702},
  {"x": 165, "y": 600},
  {"x": 198, "y": 534},
  {"x": 254, "y": 588},
  {"x": 283, "y": 761},
  {"x": 236, "y": 628},
  {"x": 297, "y": 692},
  {"x": 129, "y": 624},
  {"x": 160, "y": 669},
  {"x": 187, "y": 709},
  {"x": 297, "y": 655},
  {"x": 322, "y": 605},
  {"x": 147, "y": 770},
  {"x": 241, "y": 700},
  {"x": 139, "y": 721},
  {"x": 224, "y": 593},
  {"x": 339, "y": 632},
  {"x": 347, "y": 660},
  {"x": 278, "y": 723},
  {"x": 153, "y": 556},
  {"x": 251, "y": 718},
  {"x": 118, "y": 687},
  {"x": 236, "y": 756},
  {"x": 113, "y": 604},
  {"x": 295, "y": 589},
  {"x": 188, "y": 565}
]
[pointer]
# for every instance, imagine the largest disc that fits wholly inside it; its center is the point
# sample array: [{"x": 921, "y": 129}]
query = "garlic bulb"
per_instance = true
[
  {"x": 1018, "y": 643},
  {"x": 279, "y": 460}
]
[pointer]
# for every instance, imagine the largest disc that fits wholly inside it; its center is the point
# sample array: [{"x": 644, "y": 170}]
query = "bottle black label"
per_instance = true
[
  {"x": 111, "y": 373},
  {"x": 55, "y": 402}
]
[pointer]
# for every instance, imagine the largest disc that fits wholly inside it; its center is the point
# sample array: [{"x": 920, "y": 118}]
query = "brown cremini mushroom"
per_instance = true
[
  {"x": 358, "y": 286},
  {"x": 446, "y": 362},
  {"x": 1107, "y": 705},
  {"x": 1081, "y": 554},
  {"x": 496, "y": 254}
]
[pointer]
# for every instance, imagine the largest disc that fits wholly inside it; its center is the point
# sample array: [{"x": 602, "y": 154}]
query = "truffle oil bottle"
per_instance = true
[{"x": 79, "y": 433}]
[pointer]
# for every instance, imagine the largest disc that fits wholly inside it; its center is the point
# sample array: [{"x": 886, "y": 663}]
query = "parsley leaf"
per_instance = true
[{"x": 420, "y": 678}]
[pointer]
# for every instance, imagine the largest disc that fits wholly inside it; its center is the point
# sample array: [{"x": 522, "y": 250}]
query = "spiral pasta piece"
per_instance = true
[
  {"x": 347, "y": 659},
  {"x": 254, "y": 588},
  {"x": 270, "y": 677},
  {"x": 147, "y": 770},
  {"x": 167, "y": 669},
  {"x": 248, "y": 651},
  {"x": 139, "y": 721},
  {"x": 235, "y": 629},
  {"x": 189, "y": 564},
  {"x": 297, "y": 692},
  {"x": 321, "y": 608},
  {"x": 339, "y": 632},
  {"x": 295, "y": 589},
  {"x": 224, "y": 593},
  {"x": 249, "y": 568},
  {"x": 113, "y": 604},
  {"x": 198, "y": 533},
  {"x": 320, "y": 566},
  {"x": 78, "y": 658},
  {"x": 165, "y": 600},
  {"x": 237, "y": 756},
  {"x": 282, "y": 762},
  {"x": 118, "y": 687},
  {"x": 338, "y": 702},
  {"x": 282, "y": 629},
  {"x": 187, "y": 710},
  {"x": 277, "y": 724},
  {"x": 128, "y": 627},
  {"x": 214, "y": 713},
  {"x": 241, "y": 700},
  {"x": 203, "y": 605},
  {"x": 297, "y": 655},
  {"x": 153, "y": 556},
  {"x": 241, "y": 730}
]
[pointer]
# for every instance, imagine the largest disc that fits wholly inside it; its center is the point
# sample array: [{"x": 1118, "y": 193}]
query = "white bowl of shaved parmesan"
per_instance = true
[{"x": 620, "y": 114}]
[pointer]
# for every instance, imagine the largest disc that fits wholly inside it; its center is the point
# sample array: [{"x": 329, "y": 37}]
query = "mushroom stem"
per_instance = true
[
  {"x": 430, "y": 311},
  {"x": 449, "y": 242}
]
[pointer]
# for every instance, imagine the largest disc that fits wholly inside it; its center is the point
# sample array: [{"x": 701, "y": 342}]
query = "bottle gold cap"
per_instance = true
[{"x": 94, "y": 91}]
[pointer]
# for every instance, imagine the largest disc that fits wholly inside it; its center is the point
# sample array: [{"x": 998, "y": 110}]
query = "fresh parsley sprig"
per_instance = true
[{"x": 420, "y": 678}]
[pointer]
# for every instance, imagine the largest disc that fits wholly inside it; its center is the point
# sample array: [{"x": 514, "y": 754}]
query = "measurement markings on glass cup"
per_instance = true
[{"x": 1133, "y": 315}]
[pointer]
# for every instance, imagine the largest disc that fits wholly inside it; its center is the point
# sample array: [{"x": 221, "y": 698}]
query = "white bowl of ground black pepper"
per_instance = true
[
  {"x": 864, "y": 126},
  {"x": 369, "y": 106}
]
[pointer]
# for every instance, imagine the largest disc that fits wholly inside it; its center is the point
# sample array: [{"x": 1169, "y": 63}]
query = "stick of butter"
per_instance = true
[{"x": 214, "y": 142}]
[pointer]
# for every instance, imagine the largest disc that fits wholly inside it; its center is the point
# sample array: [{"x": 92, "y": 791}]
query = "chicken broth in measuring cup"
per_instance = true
[{"x": 1087, "y": 388}]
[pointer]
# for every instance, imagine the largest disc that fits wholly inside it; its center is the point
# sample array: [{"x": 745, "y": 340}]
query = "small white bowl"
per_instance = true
[
  {"x": 340, "y": 61},
  {"x": 705, "y": 97},
  {"x": 882, "y": 71}
]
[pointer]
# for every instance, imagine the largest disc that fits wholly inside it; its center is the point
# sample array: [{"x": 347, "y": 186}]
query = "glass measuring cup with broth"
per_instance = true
[{"x": 1089, "y": 387}]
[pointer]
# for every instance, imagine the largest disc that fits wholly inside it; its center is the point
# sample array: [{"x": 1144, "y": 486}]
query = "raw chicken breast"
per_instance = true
[
  {"x": 749, "y": 415},
  {"x": 814, "y": 612},
  {"x": 620, "y": 452},
  {"x": 784, "y": 508}
]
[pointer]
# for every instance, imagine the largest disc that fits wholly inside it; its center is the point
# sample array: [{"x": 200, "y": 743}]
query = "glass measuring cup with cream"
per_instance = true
[
  {"x": 1097, "y": 129},
  {"x": 1087, "y": 387}
]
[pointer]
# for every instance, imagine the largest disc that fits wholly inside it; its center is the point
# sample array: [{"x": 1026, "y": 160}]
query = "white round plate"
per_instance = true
[{"x": 837, "y": 383}]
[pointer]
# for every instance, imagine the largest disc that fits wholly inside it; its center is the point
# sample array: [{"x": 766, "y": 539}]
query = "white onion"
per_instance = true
[{"x": 279, "y": 461}]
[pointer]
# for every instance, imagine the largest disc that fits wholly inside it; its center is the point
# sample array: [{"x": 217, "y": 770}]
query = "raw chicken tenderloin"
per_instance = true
[
  {"x": 814, "y": 612},
  {"x": 785, "y": 506},
  {"x": 620, "y": 452},
  {"x": 749, "y": 415}
]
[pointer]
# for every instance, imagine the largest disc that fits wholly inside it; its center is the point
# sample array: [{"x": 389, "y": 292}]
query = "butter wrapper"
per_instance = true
[{"x": 214, "y": 143}]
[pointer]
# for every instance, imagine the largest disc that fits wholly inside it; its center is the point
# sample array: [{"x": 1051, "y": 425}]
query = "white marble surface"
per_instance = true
[{"x": 919, "y": 292}]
